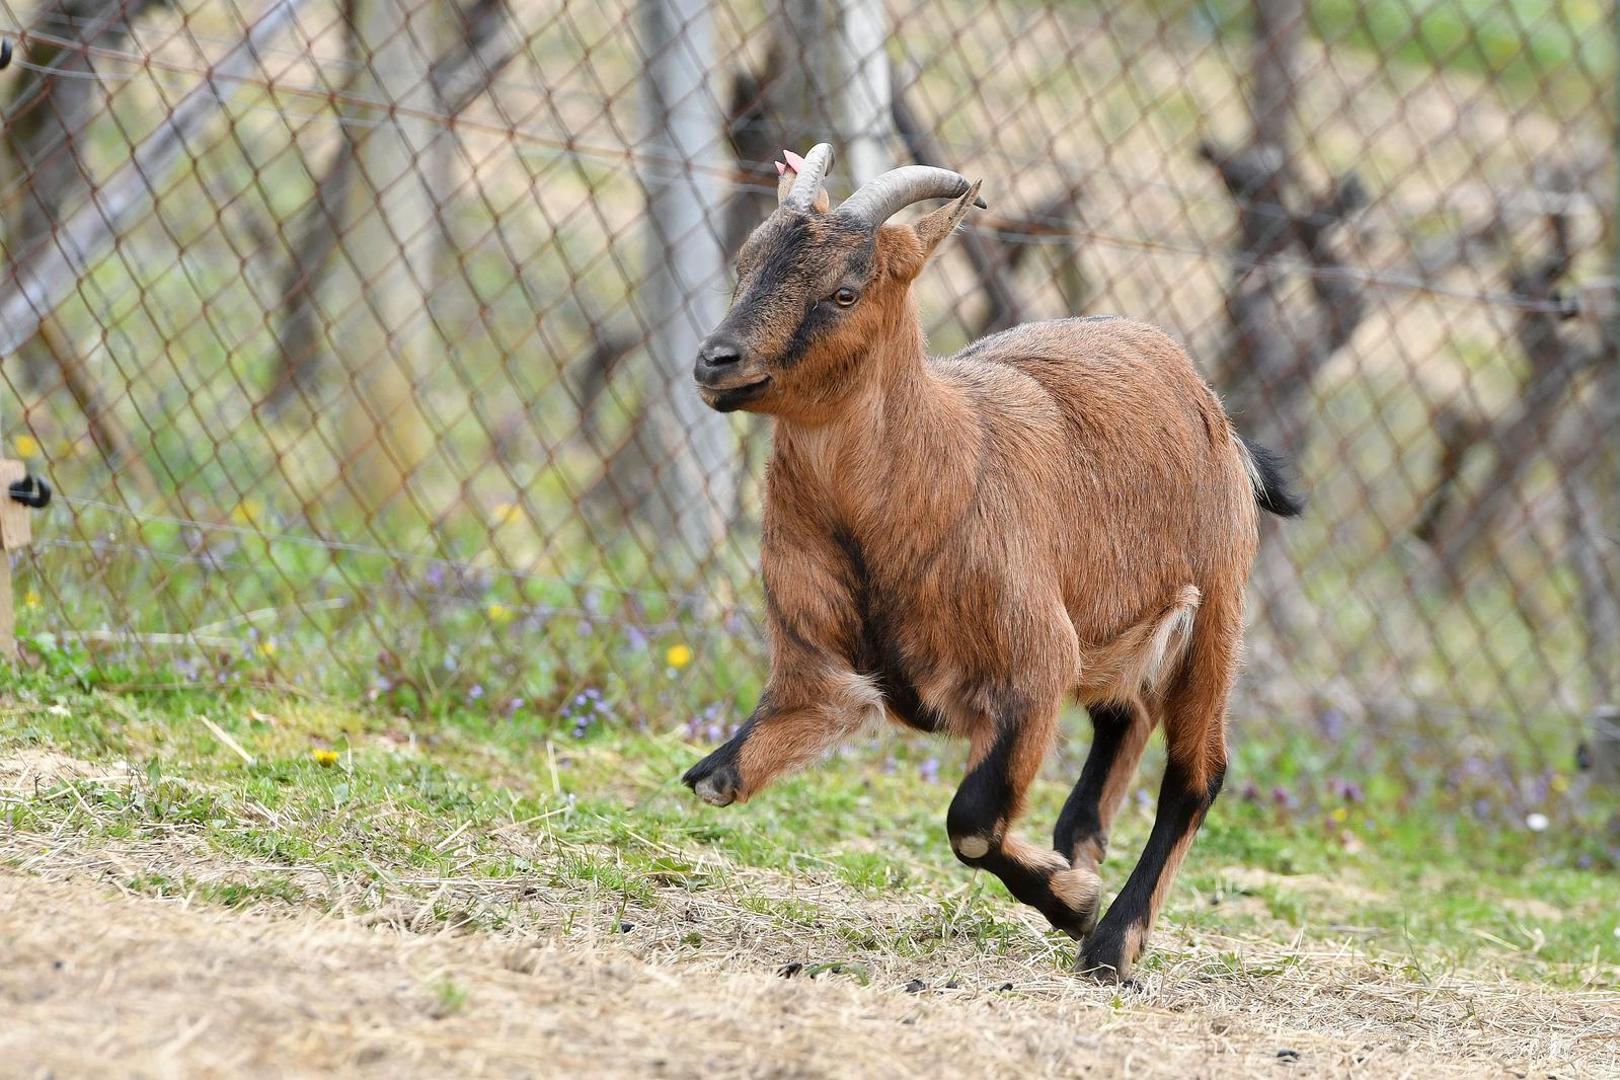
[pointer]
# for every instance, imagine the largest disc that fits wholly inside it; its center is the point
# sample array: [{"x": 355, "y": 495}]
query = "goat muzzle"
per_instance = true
[{"x": 725, "y": 378}]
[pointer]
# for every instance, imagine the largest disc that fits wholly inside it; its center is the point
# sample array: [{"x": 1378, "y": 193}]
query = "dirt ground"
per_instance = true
[
  {"x": 98, "y": 976},
  {"x": 97, "y": 981}
]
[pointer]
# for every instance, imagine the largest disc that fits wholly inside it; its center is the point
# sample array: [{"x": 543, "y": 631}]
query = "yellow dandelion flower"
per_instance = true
[
  {"x": 1559, "y": 783},
  {"x": 678, "y": 656},
  {"x": 1340, "y": 815},
  {"x": 324, "y": 757},
  {"x": 31, "y": 599},
  {"x": 27, "y": 445},
  {"x": 267, "y": 648},
  {"x": 499, "y": 614},
  {"x": 505, "y": 513}
]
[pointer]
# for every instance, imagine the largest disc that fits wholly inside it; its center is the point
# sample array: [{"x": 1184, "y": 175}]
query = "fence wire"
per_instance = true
[{"x": 355, "y": 334}]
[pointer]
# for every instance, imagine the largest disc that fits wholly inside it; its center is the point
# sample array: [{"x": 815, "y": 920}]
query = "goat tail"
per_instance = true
[{"x": 1268, "y": 475}]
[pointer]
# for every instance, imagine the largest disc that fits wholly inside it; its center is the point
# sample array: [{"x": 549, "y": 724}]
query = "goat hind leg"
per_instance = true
[
  {"x": 1120, "y": 734},
  {"x": 1194, "y": 714}
]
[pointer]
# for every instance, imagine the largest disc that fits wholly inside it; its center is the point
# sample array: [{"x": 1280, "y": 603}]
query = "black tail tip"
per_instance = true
[{"x": 1269, "y": 475}]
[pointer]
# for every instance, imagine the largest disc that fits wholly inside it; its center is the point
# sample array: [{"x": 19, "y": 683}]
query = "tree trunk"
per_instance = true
[
  {"x": 391, "y": 225},
  {"x": 1592, "y": 494},
  {"x": 690, "y": 447},
  {"x": 840, "y": 86},
  {"x": 315, "y": 240},
  {"x": 1270, "y": 361}
]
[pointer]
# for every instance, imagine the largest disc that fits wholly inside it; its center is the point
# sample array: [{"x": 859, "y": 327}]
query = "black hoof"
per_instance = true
[
  {"x": 715, "y": 779},
  {"x": 1105, "y": 959},
  {"x": 1077, "y": 924}
]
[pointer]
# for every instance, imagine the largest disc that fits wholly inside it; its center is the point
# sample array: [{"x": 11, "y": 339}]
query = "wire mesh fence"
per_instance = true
[{"x": 356, "y": 335}]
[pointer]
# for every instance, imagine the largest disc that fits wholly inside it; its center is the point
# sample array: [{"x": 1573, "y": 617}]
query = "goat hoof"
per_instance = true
[
  {"x": 715, "y": 782},
  {"x": 1106, "y": 959},
  {"x": 1078, "y": 925}
]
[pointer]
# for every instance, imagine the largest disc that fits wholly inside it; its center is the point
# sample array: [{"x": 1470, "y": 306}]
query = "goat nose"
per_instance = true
[{"x": 718, "y": 354}]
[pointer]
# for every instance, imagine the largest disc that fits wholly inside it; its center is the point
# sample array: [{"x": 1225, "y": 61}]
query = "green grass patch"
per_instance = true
[{"x": 370, "y": 807}]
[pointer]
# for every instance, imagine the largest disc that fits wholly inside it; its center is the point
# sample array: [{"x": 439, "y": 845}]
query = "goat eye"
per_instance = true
[{"x": 845, "y": 297}]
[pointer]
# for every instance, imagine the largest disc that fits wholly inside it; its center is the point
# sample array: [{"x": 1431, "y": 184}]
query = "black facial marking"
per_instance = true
[
  {"x": 787, "y": 275},
  {"x": 823, "y": 314},
  {"x": 877, "y": 652},
  {"x": 735, "y": 398},
  {"x": 1081, "y": 818},
  {"x": 815, "y": 321}
]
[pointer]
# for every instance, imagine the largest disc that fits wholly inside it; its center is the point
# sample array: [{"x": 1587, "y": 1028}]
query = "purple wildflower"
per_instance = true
[{"x": 1332, "y": 723}]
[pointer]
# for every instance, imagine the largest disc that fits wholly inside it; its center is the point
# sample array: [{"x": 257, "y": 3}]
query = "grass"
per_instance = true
[{"x": 354, "y": 810}]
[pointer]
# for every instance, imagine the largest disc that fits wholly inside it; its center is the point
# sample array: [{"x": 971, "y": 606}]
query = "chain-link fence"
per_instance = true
[{"x": 356, "y": 335}]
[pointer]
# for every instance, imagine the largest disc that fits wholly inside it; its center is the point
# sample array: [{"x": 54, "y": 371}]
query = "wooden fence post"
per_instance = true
[{"x": 15, "y": 534}]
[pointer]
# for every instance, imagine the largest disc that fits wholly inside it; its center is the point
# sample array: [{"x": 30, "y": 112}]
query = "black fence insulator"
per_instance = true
[
  {"x": 5, "y": 53},
  {"x": 32, "y": 491}
]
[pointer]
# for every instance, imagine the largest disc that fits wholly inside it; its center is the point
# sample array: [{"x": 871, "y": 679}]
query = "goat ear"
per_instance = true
[
  {"x": 787, "y": 171},
  {"x": 936, "y": 225}
]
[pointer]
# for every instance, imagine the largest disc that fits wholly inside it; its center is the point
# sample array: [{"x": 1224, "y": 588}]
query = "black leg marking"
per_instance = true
[
  {"x": 1082, "y": 816},
  {"x": 985, "y": 799},
  {"x": 977, "y": 822},
  {"x": 1112, "y": 949},
  {"x": 1032, "y": 885}
]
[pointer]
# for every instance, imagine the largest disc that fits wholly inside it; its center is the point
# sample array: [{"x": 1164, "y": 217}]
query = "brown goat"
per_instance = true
[{"x": 961, "y": 544}]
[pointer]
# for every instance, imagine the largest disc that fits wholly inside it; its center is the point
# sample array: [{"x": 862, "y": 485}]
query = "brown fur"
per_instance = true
[{"x": 1060, "y": 510}]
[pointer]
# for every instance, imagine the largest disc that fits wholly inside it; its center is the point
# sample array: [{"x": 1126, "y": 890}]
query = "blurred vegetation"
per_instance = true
[
  {"x": 1544, "y": 51},
  {"x": 499, "y": 585}
]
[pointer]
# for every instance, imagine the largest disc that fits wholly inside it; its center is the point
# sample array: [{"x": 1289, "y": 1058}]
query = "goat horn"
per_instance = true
[
  {"x": 883, "y": 196},
  {"x": 802, "y": 195}
]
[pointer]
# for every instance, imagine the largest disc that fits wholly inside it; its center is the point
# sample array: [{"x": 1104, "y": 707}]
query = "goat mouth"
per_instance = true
[{"x": 732, "y": 398}]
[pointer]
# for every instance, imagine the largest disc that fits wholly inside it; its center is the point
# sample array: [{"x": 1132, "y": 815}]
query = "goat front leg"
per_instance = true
[
  {"x": 788, "y": 729},
  {"x": 1006, "y": 752}
]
